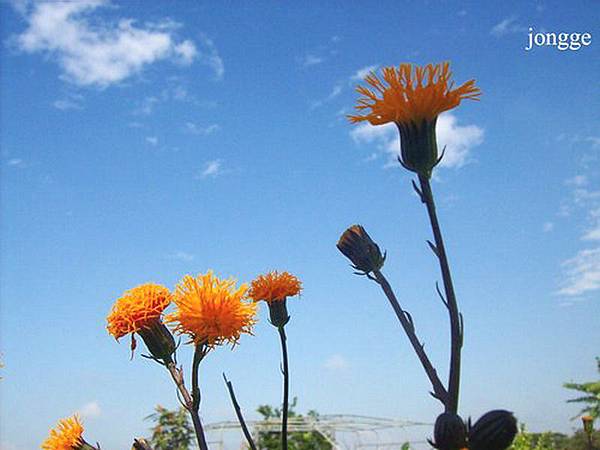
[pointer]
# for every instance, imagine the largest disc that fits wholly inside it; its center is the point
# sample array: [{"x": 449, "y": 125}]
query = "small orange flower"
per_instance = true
[
  {"x": 274, "y": 287},
  {"x": 212, "y": 311},
  {"x": 411, "y": 94},
  {"x": 137, "y": 308},
  {"x": 66, "y": 436}
]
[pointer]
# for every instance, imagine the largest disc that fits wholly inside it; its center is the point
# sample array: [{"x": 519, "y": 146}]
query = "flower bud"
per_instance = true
[
  {"x": 360, "y": 249},
  {"x": 278, "y": 313},
  {"x": 495, "y": 430},
  {"x": 158, "y": 340},
  {"x": 449, "y": 432},
  {"x": 419, "y": 152}
]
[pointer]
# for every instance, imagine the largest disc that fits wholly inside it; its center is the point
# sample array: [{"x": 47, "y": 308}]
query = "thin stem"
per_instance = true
[
  {"x": 455, "y": 322},
  {"x": 439, "y": 391},
  {"x": 238, "y": 412},
  {"x": 177, "y": 376},
  {"x": 199, "y": 354},
  {"x": 286, "y": 388}
]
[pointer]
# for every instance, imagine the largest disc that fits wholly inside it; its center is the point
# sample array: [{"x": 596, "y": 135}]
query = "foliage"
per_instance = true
[
  {"x": 271, "y": 440},
  {"x": 591, "y": 395},
  {"x": 553, "y": 441},
  {"x": 172, "y": 431}
]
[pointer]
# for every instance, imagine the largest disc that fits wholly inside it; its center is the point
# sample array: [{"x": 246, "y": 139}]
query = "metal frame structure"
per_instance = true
[{"x": 342, "y": 431}]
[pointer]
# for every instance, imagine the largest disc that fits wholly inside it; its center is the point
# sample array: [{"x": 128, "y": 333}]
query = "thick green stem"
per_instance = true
[
  {"x": 455, "y": 319},
  {"x": 286, "y": 388}
]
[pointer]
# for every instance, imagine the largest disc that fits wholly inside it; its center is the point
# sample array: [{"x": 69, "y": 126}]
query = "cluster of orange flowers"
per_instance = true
[
  {"x": 213, "y": 311},
  {"x": 208, "y": 309}
]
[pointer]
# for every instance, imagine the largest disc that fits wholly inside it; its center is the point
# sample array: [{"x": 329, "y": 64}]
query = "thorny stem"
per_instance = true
[
  {"x": 238, "y": 412},
  {"x": 455, "y": 320},
  {"x": 286, "y": 388},
  {"x": 177, "y": 376},
  {"x": 439, "y": 391}
]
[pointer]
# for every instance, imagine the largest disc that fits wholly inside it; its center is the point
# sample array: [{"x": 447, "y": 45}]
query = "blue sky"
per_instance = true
[{"x": 142, "y": 141}]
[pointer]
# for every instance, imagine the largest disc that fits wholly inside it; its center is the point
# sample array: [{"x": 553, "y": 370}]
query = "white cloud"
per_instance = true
[
  {"x": 192, "y": 128},
  {"x": 547, "y": 227},
  {"x": 90, "y": 410},
  {"x": 212, "y": 169},
  {"x": 336, "y": 362},
  {"x": 182, "y": 256},
  {"x": 459, "y": 140},
  {"x": 186, "y": 52},
  {"x": 507, "y": 26},
  {"x": 99, "y": 53},
  {"x": 361, "y": 73},
  {"x": 582, "y": 273},
  {"x": 595, "y": 140},
  {"x": 152, "y": 140}
]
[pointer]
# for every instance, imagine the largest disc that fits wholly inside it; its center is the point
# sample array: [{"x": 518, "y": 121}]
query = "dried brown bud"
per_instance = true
[{"x": 361, "y": 250}]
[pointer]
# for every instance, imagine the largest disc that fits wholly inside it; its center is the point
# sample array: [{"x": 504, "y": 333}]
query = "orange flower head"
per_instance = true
[
  {"x": 66, "y": 436},
  {"x": 274, "y": 287},
  {"x": 212, "y": 311},
  {"x": 137, "y": 309},
  {"x": 411, "y": 94}
]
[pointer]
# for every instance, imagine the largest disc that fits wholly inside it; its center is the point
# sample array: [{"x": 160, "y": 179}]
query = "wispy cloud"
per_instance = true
[
  {"x": 581, "y": 273},
  {"x": 459, "y": 140},
  {"x": 336, "y": 362},
  {"x": 152, "y": 140},
  {"x": 69, "y": 101},
  {"x": 336, "y": 90},
  {"x": 361, "y": 73},
  {"x": 193, "y": 128},
  {"x": 16, "y": 163},
  {"x": 90, "y": 410},
  {"x": 102, "y": 54},
  {"x": 209, "y": 56},
  {"x": 507, "y": 26},
  {"x": 182, "y": 256},
  {"x": 548, "y": 227},
  {"x": 212, "y": 169},
  {"x": 310, "y": 60}
]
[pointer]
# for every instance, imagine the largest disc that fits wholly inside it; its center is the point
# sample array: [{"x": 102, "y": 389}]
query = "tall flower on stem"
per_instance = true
[
  {"x": 412, "y": 97},
  {"x": 211, "y": 312},
  {"x": 68, "y": 435},
  {"x": 274, "y": 288}
]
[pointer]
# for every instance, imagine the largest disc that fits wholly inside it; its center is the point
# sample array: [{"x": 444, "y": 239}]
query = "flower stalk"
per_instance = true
[
  {"x": 286, "y": 387},
  {"x": 456, "y": 322}
]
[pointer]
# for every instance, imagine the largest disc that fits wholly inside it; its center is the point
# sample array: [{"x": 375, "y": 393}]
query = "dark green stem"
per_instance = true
[
  {"x": 286, "y": 388},
  {"x": 439, "y": 391},
  {"x": 238, "y": 413},
  {"x": 455, "y": 318}
]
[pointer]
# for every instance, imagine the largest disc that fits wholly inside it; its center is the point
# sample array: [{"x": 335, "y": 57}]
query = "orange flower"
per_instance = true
[
  {"x": 274, "y": 287},
  {"x": 212, "y": 311},
  {"x": 137, "y": 308},
  {"x": 66, "y": 436},
  {"x": 411, "y": 94}
]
